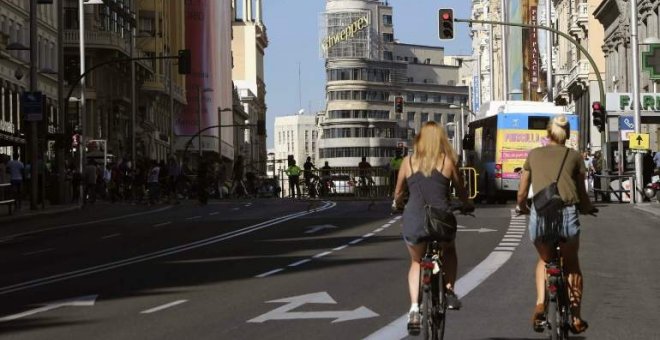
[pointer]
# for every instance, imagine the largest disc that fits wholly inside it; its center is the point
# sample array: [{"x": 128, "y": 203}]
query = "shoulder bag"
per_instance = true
[{"x": 548, "y": 199}]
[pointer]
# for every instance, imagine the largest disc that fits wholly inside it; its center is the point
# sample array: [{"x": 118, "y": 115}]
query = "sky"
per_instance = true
[{"x": 294, "y": 70}]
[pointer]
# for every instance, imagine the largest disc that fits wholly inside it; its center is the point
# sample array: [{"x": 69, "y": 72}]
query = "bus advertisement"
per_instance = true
[{"x": 502, "y": 140}]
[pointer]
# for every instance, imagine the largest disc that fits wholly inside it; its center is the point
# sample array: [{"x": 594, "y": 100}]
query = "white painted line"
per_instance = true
[
  {"x": 214, "y": 213},
  {"x": 193, "y": 218},
  {"x": 270, "y": 272},
  {"x": 340, "y": 247},
  {"x": 162, "y": 224},
  {"x": 236, "y": 209},
  {"x": 387, "y": 225},
  {"x": 368, "y": 235},
  {"x": 514, "y": 232},
  {"x": 379, "y": 230},
  {"x": 506, "y": 244},
  {"x": 165, "y": 306},
  {"x": 109, "y": 236},
  {"x": 38, "y": 252},
  {"x": 247, "y": 205},
  {"x": 511, "y": 239},
  {"x": 299, "y": 262},
  {"x": 322, "y": 254},
  {"x": 159, "y": 253},
  {"x": 506, "y": 248},
  {"x": 397, "y": 328},
  {"x": 356, "y": 241}
]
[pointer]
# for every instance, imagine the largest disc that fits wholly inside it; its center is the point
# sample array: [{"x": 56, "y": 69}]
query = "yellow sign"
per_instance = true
[
  {"x": 348, "y": 32},
  {"x": 639, "y": 141}
]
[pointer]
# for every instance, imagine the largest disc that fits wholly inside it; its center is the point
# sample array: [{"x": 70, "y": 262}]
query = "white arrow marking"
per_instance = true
[
  {"x": 83, "y": 301},
  {"x": 317, "y": 228},
  {"x": 480, "y": 230},
  {"x": 283, "y": 313}
]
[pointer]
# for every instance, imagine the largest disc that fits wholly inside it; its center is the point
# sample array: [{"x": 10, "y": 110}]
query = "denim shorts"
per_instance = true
[{"x": 571, "y": 225}]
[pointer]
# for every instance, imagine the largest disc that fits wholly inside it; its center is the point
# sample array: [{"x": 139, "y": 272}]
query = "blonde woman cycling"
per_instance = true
[
  {"x": 427, "y": 175},
  {"x": 540, "y": 169}
]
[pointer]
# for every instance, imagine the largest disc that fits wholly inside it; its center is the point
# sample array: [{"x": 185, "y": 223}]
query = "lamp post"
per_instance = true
[
  {"x": 199, "y": 116},
  {"x": 634, "y": 40},
  {"x": 462, "y": 126},
  {"x": 220, "y": 111}
]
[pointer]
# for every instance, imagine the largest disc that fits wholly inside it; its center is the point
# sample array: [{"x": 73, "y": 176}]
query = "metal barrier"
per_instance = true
[
  {"x": 470, "y": 181},
  {"x": 611, "y": 187}
]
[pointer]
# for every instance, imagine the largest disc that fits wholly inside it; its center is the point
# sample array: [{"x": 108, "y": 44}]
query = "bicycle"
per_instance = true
[
  {"x": 432, "y": 297},
  {"x": 557, "y": 313},
  {"x": 365, "y": 187}
]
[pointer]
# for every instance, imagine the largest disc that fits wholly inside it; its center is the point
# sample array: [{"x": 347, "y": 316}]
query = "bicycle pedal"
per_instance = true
[{"x": 414, "y": 330}]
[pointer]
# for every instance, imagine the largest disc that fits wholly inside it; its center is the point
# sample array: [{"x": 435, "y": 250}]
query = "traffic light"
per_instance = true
[
  {"x": 184, "y": 61},
  {"x": 598, "y": 115},
  {"x": 398, "y": 104},
  {"x": 446, "y": 24}
]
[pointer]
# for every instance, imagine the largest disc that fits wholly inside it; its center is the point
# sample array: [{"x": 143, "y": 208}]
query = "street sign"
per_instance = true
[
  {"x": 639, "y": 141},
  {"x": 626, "y": 126},
  {"x": 651, "y": 61},
  {"x": 32, "y": 106}
]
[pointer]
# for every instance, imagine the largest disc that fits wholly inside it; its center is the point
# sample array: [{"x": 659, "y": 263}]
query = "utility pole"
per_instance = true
[
  {"x": 83, "y": 113},
  {"x": 34, "y": 138},
  {"x": 636, "y": 102},
  {"x": 133, "y": 101},
  {"x": 548, "y": 46}
]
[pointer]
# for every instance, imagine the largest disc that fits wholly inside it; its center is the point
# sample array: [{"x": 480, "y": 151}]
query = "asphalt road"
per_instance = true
[{"x": 284, "y": 269}]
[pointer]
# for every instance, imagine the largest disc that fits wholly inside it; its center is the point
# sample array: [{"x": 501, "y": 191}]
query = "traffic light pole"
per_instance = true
[{"x": 605, "y": 139}]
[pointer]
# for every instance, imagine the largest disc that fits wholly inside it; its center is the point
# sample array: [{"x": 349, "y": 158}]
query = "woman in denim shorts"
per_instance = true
[{"x": 542, "y": 167}]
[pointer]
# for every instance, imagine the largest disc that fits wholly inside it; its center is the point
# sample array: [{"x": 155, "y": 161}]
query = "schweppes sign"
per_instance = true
[{"x": 346, "y": 33}]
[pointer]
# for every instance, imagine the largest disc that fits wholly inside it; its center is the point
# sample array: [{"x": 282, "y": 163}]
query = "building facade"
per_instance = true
[
  {"x": 366, "y": 68},
  {"x": 615, "y": 17},
  {"x": 295, "y": 135},
  {"x": 15, "y": 75},
  {"x": 249, "y": 42}
]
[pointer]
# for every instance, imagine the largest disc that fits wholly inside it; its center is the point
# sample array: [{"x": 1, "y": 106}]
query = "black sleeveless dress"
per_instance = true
[{"x": 432, "y": 190}]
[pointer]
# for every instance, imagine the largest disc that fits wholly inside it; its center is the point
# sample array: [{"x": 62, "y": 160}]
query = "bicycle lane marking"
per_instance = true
[
  {"x": 497, "y": 258},
  {"x": 328, "y": 252},
  {"x": 160, "y": 253}
]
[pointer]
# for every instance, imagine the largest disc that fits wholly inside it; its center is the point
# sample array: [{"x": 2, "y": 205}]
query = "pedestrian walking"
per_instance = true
[
  {"x": 153, "y": 182},
  {"x": 90, "y": 173},
  {"x": 16, "y": 170}
]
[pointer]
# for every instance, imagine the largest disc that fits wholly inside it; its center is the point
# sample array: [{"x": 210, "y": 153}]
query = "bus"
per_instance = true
[{"x": 502, "y": 134}]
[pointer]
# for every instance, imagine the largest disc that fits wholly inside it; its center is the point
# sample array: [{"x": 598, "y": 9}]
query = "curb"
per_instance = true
[{"x": 650, "y": 208}]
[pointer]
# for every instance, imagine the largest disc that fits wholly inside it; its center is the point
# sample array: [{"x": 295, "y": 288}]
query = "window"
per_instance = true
[
  {"x": 411, "y": 117},
  {"x": 387, "y": 20},
  {"x": 410, "y": 97},
  {"x": 388, "y": 37},
  {"x": 425, "y": 116},
  {"x": 387, "y": 55},
  {"x": 437, "y": 117},
  {"x": 450, "y": 117},
  {"x": 424, "y": 97}
]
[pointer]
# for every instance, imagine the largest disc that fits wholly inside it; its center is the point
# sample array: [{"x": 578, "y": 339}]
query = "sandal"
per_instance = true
[
  {"x": 578, "y": 326},
  {"x": 538, "y": 318},
  {"x": 414, "y": 323}
]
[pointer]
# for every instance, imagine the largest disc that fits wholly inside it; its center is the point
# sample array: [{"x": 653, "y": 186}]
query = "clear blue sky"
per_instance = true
[{"x": 293, "y": 34}]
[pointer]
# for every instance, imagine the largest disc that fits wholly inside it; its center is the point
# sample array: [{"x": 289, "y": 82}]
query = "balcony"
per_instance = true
[
  {"x": 583, "y": 15},
  {"x": 99, "y": 40},
  {"x": 579, "y": 21}
]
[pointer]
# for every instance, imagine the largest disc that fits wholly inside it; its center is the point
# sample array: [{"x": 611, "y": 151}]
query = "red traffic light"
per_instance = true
[
  {"x": 398, "y": 100},
  {"x": 596, "y": 106},
  {"x": 446, "y": 16}
]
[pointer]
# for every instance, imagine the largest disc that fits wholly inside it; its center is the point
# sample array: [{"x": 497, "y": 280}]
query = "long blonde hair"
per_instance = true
[{"x": 431, "y": 145}]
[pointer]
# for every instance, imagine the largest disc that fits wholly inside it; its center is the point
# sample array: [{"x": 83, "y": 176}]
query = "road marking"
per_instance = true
[
  {"x": 509, "y": 243},
  {"x": 160, "y": 253},
  {"x": 284, "y": 312},
  {"x": 480, "y": 230},
  {"x": 274, "y": 271},
  {"x": 83, "y": 301},
  {"x": 496, "y": 259},
  {"x": 165, "y": 306},
  {"x": 162, "y": 224},
  {"x": 66, "y": 226},
  {"x": 214, "y": 213},
  {"x": 193, "y": 218},
  {"x": 110, "y": 236},
  {"x": 247, "y": 205},
  {"x": 511, "y": 239},
  {"x": 358, "y": 240},
  {"x": 295, "y": 264},
  {"x": 236, "y": 209},
  {"x": 317, "y": 228},
  {"x": 38, "y": 252}
]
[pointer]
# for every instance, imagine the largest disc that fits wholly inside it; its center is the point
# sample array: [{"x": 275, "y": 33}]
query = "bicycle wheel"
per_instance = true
[
  {"x": 554, "y": 320},
  {"x": 427, "y": 315},
  {"x": 441, "y": 306}
]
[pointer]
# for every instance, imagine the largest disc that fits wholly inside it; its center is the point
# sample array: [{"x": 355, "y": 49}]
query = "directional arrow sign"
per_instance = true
[
  {"x": 283, "y": 313},
  {"x": 639, "y": 141},
  {"x": 83, "y": 301},
  {"x": 317, "y": 228}
]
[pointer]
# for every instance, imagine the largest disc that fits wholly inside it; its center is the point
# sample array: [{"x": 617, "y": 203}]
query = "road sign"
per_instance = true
[
  {"x": 626, "y": 126},
  {"x": 32, "y": 106},
  {"x": 639, "y": 141},
  {"x": 651, "y": 61}
]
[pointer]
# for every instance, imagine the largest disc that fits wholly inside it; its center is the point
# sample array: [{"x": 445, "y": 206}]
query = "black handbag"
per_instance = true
[
  {"x": 548, "y": 199},
  {"x": 440, "y": 224}
]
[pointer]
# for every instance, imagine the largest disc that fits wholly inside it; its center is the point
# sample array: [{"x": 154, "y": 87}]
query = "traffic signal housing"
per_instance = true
[
  {"x": 446, "y": 24},
  {"x": 598, "y": 115},
  {"x": 398, "y": 104},
  {"x": 184, "y": 61}
]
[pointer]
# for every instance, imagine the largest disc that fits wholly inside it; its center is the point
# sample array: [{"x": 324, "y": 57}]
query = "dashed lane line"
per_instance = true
[
  {"x": 38, "y": 252},
  {"x": 326, "y": 253},
  {"x": 165, "y": 306},
  {"x": 193, "y": 217},
  {"x": 110, "y": 236},
  {"x": 162, "y": 224}
]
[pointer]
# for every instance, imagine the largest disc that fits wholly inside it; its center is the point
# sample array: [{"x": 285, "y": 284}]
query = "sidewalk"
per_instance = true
[
  {"x": 26, "y": 212},
  {"x": 649, "y": 207}
]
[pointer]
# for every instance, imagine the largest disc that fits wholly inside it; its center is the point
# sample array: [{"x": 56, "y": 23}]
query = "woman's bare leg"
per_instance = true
[{"x": 416, "y": 252}]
